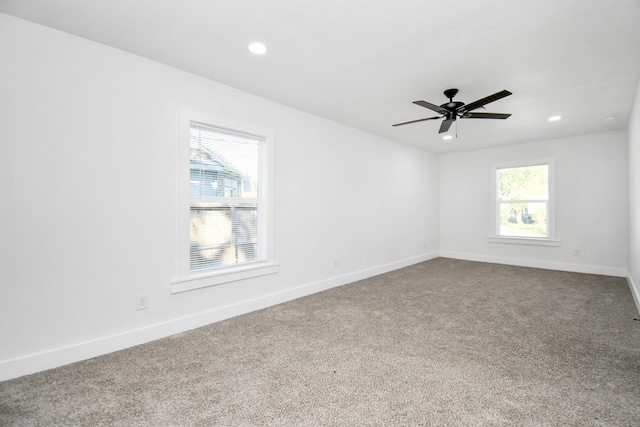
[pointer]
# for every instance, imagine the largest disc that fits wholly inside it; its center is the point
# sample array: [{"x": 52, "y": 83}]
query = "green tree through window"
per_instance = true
[{"x": 523, "y": 198}]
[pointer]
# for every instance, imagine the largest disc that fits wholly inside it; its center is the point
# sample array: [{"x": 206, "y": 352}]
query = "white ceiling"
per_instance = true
[{"x": 363, "y": 62}]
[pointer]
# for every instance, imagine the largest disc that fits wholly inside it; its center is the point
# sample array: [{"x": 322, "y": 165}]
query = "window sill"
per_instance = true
[
  {"x": 219, "y": 277},
  {"x": 533, "y": 241}
]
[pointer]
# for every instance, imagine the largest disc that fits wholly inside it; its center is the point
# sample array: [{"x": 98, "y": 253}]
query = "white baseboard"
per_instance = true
[
  {"x": 547, "y": 265},
  {"x": 49, "y": 359}
]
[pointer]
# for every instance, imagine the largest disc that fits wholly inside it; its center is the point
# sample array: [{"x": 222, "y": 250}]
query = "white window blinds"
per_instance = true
[{"x": 226, "y": 174}]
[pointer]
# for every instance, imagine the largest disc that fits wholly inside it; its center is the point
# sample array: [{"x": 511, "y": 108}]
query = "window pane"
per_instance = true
[
  {"x": 523, "y": 219},
  {"x": 223, "y": 235},
  {"x": 223, "y": 163},
  {"x": 523, "y": 183}
]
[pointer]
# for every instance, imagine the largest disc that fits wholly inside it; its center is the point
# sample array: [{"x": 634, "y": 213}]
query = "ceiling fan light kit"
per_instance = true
[{"x": 454, "y": 110}]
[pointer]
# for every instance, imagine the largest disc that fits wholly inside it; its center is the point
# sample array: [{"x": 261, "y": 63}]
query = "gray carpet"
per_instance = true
[{"x": 444, "y": 342}]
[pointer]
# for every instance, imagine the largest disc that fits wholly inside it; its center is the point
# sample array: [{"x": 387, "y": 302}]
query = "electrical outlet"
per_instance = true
[
  {"x": 576, "y": 252},
  {"x": 142, "y": 301},
  {"x": 335, "y": 263}
]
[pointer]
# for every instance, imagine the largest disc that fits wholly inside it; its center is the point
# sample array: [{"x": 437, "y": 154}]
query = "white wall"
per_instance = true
[
  {"x": 89, "y": 200},
  {"x": 634, "y": 199},
  {"x": 591, "y": 204}
]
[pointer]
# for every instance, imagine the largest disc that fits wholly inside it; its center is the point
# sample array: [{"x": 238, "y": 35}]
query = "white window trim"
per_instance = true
[
  {"x": 551, "y": 239},
  {"x": 187, "y": 280},
  {"x": 532, "y": 241}
]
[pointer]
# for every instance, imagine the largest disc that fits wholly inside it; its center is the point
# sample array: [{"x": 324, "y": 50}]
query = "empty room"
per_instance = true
[{"x": 329, "y": 213}]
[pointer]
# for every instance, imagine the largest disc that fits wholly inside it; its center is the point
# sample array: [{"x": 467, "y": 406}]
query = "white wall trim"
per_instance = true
[
  {"x": 53, "y": 358},
  {"x": 635, "y": 291},
  {"x": 547, "y": 265}
]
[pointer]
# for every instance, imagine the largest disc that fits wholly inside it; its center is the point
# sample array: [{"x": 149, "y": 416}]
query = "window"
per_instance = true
[
  {"x": 523, "y": 207},
  {"x": 225, "y": 202},
  {"x": 225, "y": 169}
]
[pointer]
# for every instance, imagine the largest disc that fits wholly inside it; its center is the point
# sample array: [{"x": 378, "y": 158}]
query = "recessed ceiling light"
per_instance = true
[
  {"x": 447, "y": 137},
  {"x": 257, "y": 48},
  {"x": 554, "y": 118},
  {"x": 609, "y": 118}
]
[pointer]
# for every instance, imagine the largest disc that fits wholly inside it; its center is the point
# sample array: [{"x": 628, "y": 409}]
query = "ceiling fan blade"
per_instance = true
[
  {"x": 485, "y": 115},
  {"x": 433, "y": 107},
  {"x": 482, "y": 102},
  {"x": 416, "y": 121},
  {"x": 446, "y": 124}
]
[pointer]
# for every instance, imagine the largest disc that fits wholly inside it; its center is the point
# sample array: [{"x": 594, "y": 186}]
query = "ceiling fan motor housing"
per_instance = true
[{"x": 452, "y": 106}]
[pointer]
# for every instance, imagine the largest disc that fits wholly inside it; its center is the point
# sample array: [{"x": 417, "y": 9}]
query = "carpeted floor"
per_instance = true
[{"x": 444, "y": 342}]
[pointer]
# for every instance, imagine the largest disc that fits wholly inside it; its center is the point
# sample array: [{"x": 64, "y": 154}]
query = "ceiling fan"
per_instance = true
[{"x": 453, "y": 110}]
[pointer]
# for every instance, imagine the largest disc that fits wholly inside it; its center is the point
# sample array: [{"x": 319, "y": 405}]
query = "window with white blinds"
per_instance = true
[
  {"x": 225, "y": 202},
  {"x": 226, "y": 174}
]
